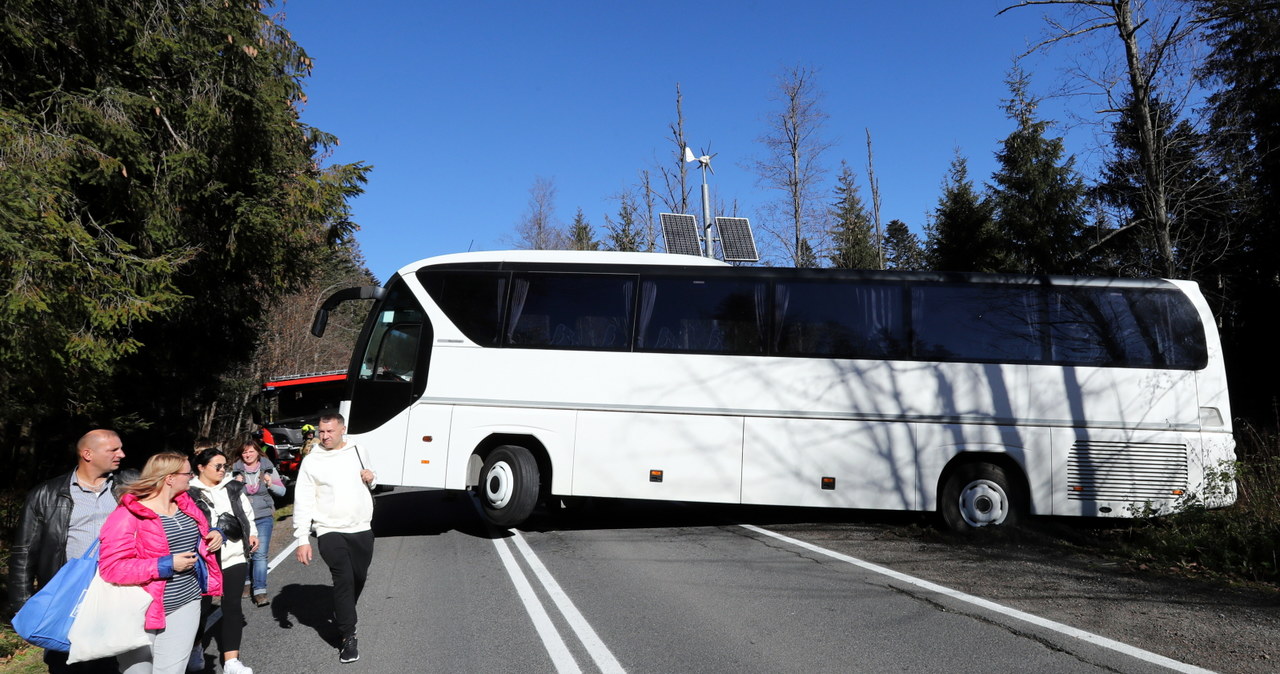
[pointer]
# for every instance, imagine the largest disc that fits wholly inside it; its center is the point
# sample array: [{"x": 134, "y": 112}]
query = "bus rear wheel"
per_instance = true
[
  {"x": 980, "y": 495},
  {"x": 509, "y": 486}
]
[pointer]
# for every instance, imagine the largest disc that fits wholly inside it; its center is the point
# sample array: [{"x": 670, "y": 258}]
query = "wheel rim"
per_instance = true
[
  {"x": 983, "y": 502},
  {"x": 498, "y": 485}
]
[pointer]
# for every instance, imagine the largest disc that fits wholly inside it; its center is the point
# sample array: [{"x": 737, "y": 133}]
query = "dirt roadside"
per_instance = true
[{"x": 1209, "y": 624}]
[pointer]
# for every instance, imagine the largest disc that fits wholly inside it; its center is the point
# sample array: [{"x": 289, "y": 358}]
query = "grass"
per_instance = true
[
  {"x": 17, "y": 656},
  {"x": 1234, "y": 543}
]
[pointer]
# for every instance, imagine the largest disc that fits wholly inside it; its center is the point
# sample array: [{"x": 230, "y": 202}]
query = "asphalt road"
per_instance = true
[{"x": 648, "y": 587}]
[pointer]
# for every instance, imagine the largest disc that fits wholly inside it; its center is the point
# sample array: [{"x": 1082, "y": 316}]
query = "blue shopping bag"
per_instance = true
[{"x": 47, "y": 616}]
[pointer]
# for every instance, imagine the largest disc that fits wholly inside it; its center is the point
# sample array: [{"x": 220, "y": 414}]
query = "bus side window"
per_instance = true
[
  {"x": 570, "y": 311},
  {"x": 844, "y": 320},
  {"x": 977, "y": 323},
  {"x": 472, "y": 300},
  {"x": 1125, "y": 327},
  {"x": 703, "y": 316}
]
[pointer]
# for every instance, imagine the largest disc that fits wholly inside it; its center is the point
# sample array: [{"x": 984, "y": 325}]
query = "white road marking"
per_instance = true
[
  {"x": 600, "y": 653},
  {"x": 551, "y": 640},
  {"x": 288, "y": 550},
  {"x": 1067, "y": 630}
]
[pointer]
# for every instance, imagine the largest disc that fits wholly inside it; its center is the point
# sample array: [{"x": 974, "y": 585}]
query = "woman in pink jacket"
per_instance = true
[{"x": 159, "y": 539}]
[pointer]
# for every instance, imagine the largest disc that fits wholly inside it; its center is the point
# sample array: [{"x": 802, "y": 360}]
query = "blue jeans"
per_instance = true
[{"x": 258, "y": 560}]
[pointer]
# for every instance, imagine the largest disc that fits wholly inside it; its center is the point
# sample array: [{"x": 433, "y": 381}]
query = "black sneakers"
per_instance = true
[{"x": 349, "y": 652}]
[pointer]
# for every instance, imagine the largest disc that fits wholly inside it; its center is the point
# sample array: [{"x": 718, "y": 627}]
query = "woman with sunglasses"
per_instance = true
[
  {"x": 159, "y": 539},
  {"x": 225, "y": 501}
]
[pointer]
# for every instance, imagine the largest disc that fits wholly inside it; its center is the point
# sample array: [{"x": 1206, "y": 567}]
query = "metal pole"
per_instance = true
[{"x": 706, "y": 212}]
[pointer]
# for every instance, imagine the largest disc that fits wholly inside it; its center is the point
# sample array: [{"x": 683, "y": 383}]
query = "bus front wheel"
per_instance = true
[
  {"x": 509, "y": 485},
  {"x": 979, "y": 495}
]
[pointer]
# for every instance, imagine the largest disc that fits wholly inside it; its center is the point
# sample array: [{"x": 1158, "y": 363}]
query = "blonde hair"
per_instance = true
[{"x": 158, "y": 467}]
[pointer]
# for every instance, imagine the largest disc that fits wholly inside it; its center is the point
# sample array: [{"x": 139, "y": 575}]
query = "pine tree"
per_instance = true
[
  {"x": 851, "y": 236},
  {"x": 1195, "y": 234},
  {"x": 902, "y": 247},
  {"x": 155, "y": 168},
  {"x": 624, "y": 233},
  {"x": 961, "y": 236},
  {"x": 806, "y": 258},
  {"x": 1244, "y": 65},
  {"x": 1037, "y": 195},
  {"x": 581, "y": 235}
]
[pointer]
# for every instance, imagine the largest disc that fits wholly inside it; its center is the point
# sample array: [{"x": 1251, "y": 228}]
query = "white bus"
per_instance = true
[{"x": 527, "y": 375}]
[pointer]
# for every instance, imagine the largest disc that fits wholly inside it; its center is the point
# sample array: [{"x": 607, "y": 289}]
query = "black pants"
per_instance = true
[
  {"x": 348, "y": 557},
  {"x": 232, "y": 623}
]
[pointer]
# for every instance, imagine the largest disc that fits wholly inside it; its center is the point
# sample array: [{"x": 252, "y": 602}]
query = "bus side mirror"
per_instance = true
[
  {"x": 356, "y": 293},
  {"x": 321, "y": 320}
]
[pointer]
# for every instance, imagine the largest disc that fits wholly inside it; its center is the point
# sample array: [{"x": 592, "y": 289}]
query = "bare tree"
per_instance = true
[
  {"x": 675, "y": 181},
  {"x": 1152, "y": 60},
  {"x": 538, "y": 229},
  {"x": 875, "y": 201},
  {"x": 645, "y": 216},
  {"x": 286, "y": 346},
  {"x": 793, "y": 161}
]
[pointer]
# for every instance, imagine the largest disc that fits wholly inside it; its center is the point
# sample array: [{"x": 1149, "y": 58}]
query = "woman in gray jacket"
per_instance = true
[{"x": 261, "y": 483}]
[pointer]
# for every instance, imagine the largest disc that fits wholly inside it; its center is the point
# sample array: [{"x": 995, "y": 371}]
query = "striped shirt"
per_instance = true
[{"x": 183, "y": 534}]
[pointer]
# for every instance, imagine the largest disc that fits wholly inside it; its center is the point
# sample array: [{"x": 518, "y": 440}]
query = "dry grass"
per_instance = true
[{"x": 1239, "y": 542}]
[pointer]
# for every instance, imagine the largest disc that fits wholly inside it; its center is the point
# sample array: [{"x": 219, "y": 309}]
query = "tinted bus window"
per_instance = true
[
  {"x": 570, "y": 311},
  {"x": 982, "y": 323},
  {"x": 1125, "y": 327},
  {"x": 839, "y": 320},
  {"x": 471, "y": 299},
  {"x": 702, "y": 316}
]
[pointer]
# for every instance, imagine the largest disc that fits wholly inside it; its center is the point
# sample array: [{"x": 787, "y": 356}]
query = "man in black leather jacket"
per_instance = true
[{"x": 63, "y": 515}]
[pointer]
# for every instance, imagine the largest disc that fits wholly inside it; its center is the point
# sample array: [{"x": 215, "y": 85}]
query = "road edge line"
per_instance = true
[{"x": 1089, "y": 637}]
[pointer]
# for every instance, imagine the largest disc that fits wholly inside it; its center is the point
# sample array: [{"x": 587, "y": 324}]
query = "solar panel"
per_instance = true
[
  {"x": 736, "y": 240},
  {"x": 681, "y": 233}
]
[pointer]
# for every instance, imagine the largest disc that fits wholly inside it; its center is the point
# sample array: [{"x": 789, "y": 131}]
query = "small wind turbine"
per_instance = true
[{"x": 704, "y": 163}]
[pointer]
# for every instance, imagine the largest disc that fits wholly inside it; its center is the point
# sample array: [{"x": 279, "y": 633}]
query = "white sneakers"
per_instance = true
[{"x": 234, "y": 666}]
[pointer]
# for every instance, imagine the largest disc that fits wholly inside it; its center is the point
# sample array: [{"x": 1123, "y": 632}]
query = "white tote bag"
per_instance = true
[{"x": 111, "y": 620}]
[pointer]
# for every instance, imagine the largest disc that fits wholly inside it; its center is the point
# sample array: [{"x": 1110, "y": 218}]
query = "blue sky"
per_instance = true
[{"x": 461, "y": 105}]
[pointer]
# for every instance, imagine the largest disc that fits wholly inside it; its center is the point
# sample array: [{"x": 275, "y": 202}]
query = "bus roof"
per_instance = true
[{"x": 566, "y": 256}]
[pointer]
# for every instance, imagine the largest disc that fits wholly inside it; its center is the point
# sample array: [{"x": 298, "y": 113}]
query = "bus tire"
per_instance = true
[
  {"x": 508, "y": 486},
  {"x": 980, "y": 495}
]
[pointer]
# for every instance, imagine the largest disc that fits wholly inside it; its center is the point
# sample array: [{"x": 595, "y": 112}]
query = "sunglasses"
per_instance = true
[{"x": 218, "y": 466}]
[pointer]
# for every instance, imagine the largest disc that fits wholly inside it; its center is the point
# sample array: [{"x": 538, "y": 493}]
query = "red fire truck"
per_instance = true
[{"x": 289, "y": 403}]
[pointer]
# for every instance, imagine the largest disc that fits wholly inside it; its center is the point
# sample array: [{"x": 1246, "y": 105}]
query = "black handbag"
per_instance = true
[
  {"x": 230, "y": 526},
  {"x": 227, "y": 523}
]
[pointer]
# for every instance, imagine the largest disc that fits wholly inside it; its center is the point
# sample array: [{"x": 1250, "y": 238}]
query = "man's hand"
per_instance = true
[
  {"x": 367, "y": 476},
  {"x": 303, "y": 554}
]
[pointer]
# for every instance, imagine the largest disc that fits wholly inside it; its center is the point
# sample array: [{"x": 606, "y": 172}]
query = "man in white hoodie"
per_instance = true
[{"x": 332, "y": 494}]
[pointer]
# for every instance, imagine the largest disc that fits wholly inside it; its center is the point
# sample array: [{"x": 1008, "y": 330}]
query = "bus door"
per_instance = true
[{"x": 395, "y": 353}]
